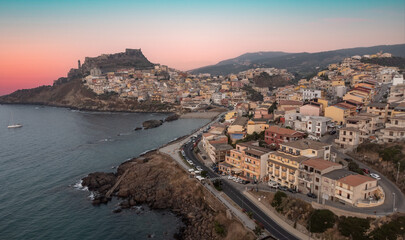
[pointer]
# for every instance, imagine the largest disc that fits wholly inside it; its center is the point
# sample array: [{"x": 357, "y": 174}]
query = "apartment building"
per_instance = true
[
  {"x": 283, "y": 165},
  {"x": 247, "y": 160},
  {"x": 257, "y": 126},
  {"x": 311, "y": 172},
  {"x": 349, "y": 138},
  {"x": 353, "y": 189},
  {"x": 394, "y": 129}
]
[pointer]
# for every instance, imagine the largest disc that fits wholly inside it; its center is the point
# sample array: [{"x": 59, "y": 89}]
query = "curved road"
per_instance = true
[{"x": 271, "y": 226}]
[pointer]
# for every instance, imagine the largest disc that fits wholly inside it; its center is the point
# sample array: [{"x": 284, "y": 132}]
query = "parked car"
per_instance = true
[
  {"x": 283, "y": 188},
  {"x": 365, "y": 170},
  {"x": 272, "y": 184},
  {"x": 199, "y": 168},
  {"x": 245, "y": 181},
  {"x": 311, "y": 195},
  {"x": 197, "y": 172},
  {"x": 292, "y": 190},
  {"x": 332, "y": 132},
  {"x": 191, "y": 170},
  {"x": 375, "y": 175}
]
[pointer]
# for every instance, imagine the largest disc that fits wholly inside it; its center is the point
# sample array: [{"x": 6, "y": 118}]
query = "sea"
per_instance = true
[{"x": 41, "y": 165}]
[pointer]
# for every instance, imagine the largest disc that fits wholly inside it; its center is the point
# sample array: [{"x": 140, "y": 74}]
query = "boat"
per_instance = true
[{"x": 15, "y": 126}]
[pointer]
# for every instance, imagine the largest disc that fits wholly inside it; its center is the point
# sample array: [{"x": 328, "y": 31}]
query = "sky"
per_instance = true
[{"x": 41, "y": 40}]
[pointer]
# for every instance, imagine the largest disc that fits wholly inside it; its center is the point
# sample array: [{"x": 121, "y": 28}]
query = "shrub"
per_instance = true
[
  {"x": 391, "y": 230},
  {"x": 321, "y": 220},
  {"x": 204, "y": 174},
  {"x": 353, "y": 227},
  {"x": 258, "y": 231},
  {"x": 277, "y": 200},
  {"x": 219, "y": 229},
  {"x": 218, "y": 185}
]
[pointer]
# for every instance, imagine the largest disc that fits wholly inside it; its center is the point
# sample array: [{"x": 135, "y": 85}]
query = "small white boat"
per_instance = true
[{"x": 15, "y": 126}]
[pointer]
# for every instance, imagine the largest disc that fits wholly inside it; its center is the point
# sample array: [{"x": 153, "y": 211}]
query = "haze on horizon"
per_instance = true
[{"x": 41, "y": 40}]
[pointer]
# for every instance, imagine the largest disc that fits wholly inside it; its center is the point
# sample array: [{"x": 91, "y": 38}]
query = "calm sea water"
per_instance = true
[{"x": 41, "y": 162}]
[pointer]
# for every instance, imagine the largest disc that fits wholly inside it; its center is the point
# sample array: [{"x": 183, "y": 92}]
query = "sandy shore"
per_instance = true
[{"x": 205, "y": 115}]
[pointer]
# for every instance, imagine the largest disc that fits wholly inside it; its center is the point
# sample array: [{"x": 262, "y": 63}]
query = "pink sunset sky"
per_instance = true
[{"x": 41, "y": 42}]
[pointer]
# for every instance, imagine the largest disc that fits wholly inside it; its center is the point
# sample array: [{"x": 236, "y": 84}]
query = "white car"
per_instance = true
[
  {"x": 199, "y": 168},
  {"x": 197, "y": 172},
  {"x": 191, "y": 170},
  {"x": 375, "y": 175},
  {"x": 230, "y": 177}
]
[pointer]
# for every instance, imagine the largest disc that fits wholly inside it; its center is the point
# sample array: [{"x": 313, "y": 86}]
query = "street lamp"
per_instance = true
[{"x": 393, "y": 203}]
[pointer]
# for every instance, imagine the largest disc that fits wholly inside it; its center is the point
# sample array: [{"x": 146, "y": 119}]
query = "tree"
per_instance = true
[
  {"x": 277, "y": 200},
  {"x": 321, "y": 220}
]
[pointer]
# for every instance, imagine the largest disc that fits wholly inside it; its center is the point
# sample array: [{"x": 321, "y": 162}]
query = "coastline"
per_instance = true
[{"x": 143, "y": 180}]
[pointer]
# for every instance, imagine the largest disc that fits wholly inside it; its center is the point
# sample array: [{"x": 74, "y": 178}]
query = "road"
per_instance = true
[
  {"x": 381, "y": 91},
  {"x": 233, "y": 193}
]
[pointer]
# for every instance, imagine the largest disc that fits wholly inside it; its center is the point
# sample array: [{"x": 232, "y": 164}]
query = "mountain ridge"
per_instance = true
[{"x": 301, "y": 63}]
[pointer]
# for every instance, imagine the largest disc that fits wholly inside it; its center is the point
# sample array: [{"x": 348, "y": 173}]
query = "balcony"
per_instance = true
[{"x": 284, "y": 170}]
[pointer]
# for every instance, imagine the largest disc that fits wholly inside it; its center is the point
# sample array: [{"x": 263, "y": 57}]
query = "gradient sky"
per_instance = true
[{"x": 41, "y": 40}]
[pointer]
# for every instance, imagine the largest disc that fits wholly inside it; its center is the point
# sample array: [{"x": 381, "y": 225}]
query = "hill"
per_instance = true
[
  {"x": 299, "y": 63},
  {"x": 71, "y": 92}
]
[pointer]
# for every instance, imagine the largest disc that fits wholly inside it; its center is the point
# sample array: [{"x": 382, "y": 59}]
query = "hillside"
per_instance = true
[
  {"x": 71, "y": 92},
  {"x": 300, "y": 63},
  {"x": 74, "y": 94}
]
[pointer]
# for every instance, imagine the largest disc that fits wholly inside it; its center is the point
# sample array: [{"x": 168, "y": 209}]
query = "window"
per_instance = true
[
  {"x": 351, "y": 133},
  {"x": 317, "y": 179},
  {"x": 348, "y": 196},
  {"x": 316, "y": 187}
]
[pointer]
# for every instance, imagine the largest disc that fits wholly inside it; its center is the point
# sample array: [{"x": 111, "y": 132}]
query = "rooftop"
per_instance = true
[
  {"x": 338, "y": 174},
  {"x": 355, "y": 180},
  {"x": 320, "y": 164},
  {"x": 240, "y": 121},
  {"x": 306, "y": 144},
  {"x": 282, "y": 131},
  {"x": 290, "y": 157}
]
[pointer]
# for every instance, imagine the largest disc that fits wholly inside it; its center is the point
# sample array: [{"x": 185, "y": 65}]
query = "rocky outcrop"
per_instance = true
[
  {"x": 152, "y": 124},
  {"x": 157, "y": 181},
  {"x": 172, "y": 117}
]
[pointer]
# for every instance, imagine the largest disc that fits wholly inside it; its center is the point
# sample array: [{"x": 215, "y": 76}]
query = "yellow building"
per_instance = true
[
  {"x": 256, "y": 126},
  {"x": 338, "y": 83},
  {"x": 356, "y": 97},
  {"x": 337, "y": 113},
  {"x": 231, "y": 116}
]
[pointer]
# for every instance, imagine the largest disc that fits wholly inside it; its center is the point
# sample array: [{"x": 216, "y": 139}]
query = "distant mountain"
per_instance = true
[{"x": 299, "y": 63}]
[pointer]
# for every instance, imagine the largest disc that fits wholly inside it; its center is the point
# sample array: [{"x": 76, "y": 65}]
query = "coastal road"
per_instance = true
[{"x": 233, "y": 193}]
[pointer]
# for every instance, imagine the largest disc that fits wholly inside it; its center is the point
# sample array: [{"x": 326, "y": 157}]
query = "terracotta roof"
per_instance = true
[
  {"x": 298, "y": 159},
  {"x": 355, "y": 180},
  {"x": 319, "y": 164},
  {"x": 282, "y": 131}
]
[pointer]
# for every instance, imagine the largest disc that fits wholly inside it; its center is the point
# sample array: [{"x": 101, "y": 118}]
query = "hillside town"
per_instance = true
[{"x": 292, "y": 137}]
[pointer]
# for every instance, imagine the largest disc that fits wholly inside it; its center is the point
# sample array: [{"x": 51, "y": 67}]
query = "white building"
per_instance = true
[
  {"x": 309, "y": 94},
  {"x": 398, "y": 79},
  {"x": 313, "y": 125}
]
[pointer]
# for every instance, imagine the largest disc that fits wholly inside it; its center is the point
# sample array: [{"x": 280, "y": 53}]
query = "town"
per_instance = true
[{"x": 293, "y": 136}]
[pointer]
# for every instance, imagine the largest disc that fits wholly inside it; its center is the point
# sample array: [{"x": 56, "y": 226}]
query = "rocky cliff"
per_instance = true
[
  {"x": 156, "y": 180},
  {"x": 131, "y": 58}
]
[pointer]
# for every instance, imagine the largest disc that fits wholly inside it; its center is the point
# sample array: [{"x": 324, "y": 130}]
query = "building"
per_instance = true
[
  {"x": 257, "y": 126},
  {"x": 353, "y": 189},
  {"x": 275, "y": 135},
  {"x": 283, "y": 165},
  {"x": 349, "y": 138},
  {"x": 237, "y": 130},
  {"x": 394, "y": 129},
  {"x": 311, "y": 109},
  {"x": 309, "y": 94},
  {"x": 247, "y": 160},
  {"x": 313, "y": 125},
  {"x": 310, "y": 174}
]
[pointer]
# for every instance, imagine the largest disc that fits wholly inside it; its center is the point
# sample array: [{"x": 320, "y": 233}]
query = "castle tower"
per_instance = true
[{"x": 78, "y": 64}]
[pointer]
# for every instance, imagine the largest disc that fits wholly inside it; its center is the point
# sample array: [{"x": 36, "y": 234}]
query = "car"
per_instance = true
[
  {"x": 311, "y": 195},
  {"x": 375, "y": 175},
  {"x": 230, "y": 177},
  {"x": 245, "y": 182},
  {"x": 197, "y": 172},
  {"x": 365, "y": 170},
  {"x": 191, "y": 170},
  {"x": 292, "y": 190},
  {"x": 283, "y": 188},
  {"x": 272, "y": 184},
  {"x": 332, "y": 132},
  {"x": 199, "y": 168}
]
